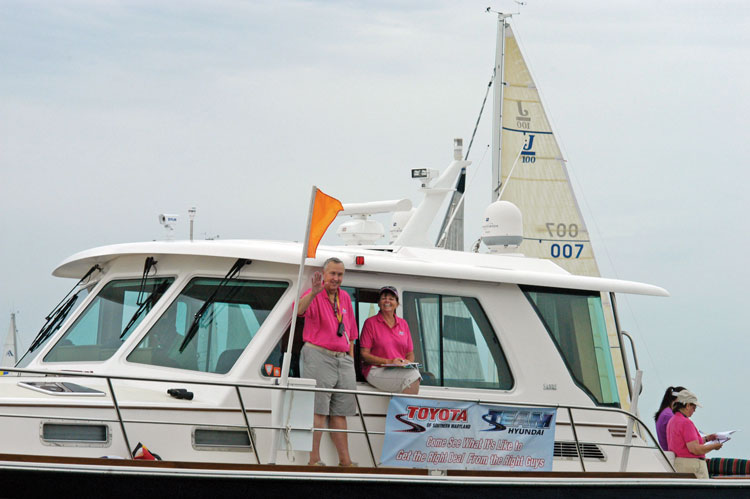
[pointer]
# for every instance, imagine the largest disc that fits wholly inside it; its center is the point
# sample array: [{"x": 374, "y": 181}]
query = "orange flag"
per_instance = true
[{"x": 325, "y": 209}]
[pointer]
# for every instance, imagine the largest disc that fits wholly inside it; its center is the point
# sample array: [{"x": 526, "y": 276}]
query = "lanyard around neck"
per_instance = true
[{"x": 337, "y": 308}]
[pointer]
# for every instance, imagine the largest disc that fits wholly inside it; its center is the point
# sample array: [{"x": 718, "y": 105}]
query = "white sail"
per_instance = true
[
  {"x": 10, "y": 347},
  {"x": 553, "y": 226},
  {"x": 539, "y": 186}
]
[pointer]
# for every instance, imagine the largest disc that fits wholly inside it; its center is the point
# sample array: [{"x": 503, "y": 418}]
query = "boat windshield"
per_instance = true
[
  {"x": 232, "y": 318},
  {"x": 575, "y": 322},
  {"x": 98, "y": 332},
  {"x": 59, "y": 319}
]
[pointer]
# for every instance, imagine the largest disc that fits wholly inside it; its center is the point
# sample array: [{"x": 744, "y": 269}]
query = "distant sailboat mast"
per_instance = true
[
  {"x": 451, "y": 233},
  {"x": 10, "y": 347}
]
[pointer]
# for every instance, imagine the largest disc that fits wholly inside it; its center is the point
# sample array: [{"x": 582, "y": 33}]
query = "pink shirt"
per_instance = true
[
  {"x": 681, "y": 430},
  {"x": 384, "y": 341},
  {"x": 321, "y": 323}
]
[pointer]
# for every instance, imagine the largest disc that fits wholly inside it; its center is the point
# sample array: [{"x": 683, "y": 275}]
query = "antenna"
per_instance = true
[
  {"x": 191, "y": 216},
  {"x": 519, "y": 3}
]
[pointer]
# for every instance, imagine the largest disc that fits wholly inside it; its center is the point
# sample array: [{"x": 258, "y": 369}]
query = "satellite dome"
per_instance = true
[
  {"x": 502, "y": 229},
  {"x": 360, "y": 231}
]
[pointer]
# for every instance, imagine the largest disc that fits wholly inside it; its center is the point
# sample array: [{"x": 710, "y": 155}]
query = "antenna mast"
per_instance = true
[{"x": 497, "y": 104}]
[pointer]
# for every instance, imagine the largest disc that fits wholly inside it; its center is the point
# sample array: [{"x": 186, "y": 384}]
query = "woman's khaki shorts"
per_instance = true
[
  {"x": 392, "y": 379},
  {"x": 690, "y": 465}
]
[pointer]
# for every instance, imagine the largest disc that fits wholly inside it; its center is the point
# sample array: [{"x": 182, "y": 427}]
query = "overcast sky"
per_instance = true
[{"x": 113, "y": 112}]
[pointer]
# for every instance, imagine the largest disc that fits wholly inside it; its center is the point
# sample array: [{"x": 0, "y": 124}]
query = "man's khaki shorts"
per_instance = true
[{"x": 330, "y": 371}]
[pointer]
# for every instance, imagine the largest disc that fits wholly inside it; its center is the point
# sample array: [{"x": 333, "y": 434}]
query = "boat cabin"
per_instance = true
[{"x": 497, "y": 328}]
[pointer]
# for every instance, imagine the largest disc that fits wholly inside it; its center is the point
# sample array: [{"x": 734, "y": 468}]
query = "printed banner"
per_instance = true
[{"x": 441, "y": 434}]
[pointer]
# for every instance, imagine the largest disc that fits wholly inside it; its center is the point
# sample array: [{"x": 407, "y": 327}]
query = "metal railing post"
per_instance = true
[
  {"x": 634, "y": 411},
  {"x": 247, "y": 424},
  {"x": 367, "y": 434},
  {"x": 119, "y": 417},
  {"x": 575, "y": 437}
]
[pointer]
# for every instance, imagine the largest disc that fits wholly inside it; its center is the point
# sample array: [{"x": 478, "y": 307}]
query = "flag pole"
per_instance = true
[
  {"x": 287, "y": 358},
  {"x": 284, "y": 381}
]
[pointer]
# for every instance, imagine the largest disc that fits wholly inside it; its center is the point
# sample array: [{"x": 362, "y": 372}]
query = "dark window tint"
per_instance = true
[{"x": 455, "y": 343}]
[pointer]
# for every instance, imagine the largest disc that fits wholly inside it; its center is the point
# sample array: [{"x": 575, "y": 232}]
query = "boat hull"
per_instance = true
[{"x": 32, "y": 476}]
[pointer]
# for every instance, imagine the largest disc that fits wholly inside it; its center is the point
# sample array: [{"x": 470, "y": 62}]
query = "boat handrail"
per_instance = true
[{"x": 357, "y": 393}]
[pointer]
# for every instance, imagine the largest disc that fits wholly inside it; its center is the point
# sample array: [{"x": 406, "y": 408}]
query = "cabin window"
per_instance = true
[
  {"x": 365, "y": 302},
  {"x": 226, "y": 327},
  {"x": 455, "y": 343},
  {"x": 575, "y": 322},
  {"x": 108, "y": 320}
]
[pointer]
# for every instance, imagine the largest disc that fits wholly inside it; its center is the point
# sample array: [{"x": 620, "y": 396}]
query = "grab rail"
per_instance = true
[
  {"x": 237, "y": 386},
  {"x": 632, "y": 348}
]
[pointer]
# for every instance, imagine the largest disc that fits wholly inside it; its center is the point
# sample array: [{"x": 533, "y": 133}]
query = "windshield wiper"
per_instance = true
[
  {"x": 146, "y": 305},
  {"x": 80, "y": 281},
  {"x": 54, "y": 323},
  {"x": 233, "y": 272},
  {"x": 147, "y": 265},
  {"x": 57, "y": 316}
]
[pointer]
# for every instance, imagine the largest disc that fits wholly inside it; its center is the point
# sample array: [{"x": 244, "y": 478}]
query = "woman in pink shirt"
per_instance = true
[
  {"x": 684, "y": 440},
  {"x": 387, "y": 349}
]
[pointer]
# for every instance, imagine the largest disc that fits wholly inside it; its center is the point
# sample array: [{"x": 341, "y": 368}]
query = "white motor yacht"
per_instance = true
[{"x": 180, "y": 347}]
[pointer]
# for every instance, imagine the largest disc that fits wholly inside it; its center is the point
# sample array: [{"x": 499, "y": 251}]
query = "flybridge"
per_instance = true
[{"x": 409, "y": 227}]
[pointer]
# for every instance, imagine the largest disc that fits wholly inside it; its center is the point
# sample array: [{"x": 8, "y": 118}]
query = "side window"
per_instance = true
[
  {"x": 455, "y": 343},
  {"x": 226, "y": 327},
  {"x": 365, "y": 302},
  {"x": 575, "y": 322}
]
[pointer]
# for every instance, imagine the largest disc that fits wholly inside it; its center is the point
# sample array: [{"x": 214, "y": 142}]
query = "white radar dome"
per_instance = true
[
  {"x": 360, "y": 231},
  {"x": 502, "y": 229},
  {"x": 399, "y": 219}
]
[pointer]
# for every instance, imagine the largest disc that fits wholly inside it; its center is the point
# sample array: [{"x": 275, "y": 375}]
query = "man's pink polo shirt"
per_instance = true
[
  {"x": 321, "y": 323},
  {"x": 384, "y": 341},
  {"x": 680, "y": 431}
]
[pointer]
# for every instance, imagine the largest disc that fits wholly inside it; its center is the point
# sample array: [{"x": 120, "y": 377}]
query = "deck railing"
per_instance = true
[{"x": 250, "y": 428}]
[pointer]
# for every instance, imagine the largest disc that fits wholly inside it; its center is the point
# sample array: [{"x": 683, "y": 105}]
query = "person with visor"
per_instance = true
[
  {"x": 328, "y": 355},
  {"x": 387, "y": 350},
  {"x": 684, "y": 439}
]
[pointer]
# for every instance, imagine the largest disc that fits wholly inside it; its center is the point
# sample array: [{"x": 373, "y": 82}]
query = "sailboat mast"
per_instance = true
[
  {"x": 497, "y": 105},
  {"x": 10, "y": 347},
  {"x": 15, "y": 337}
]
